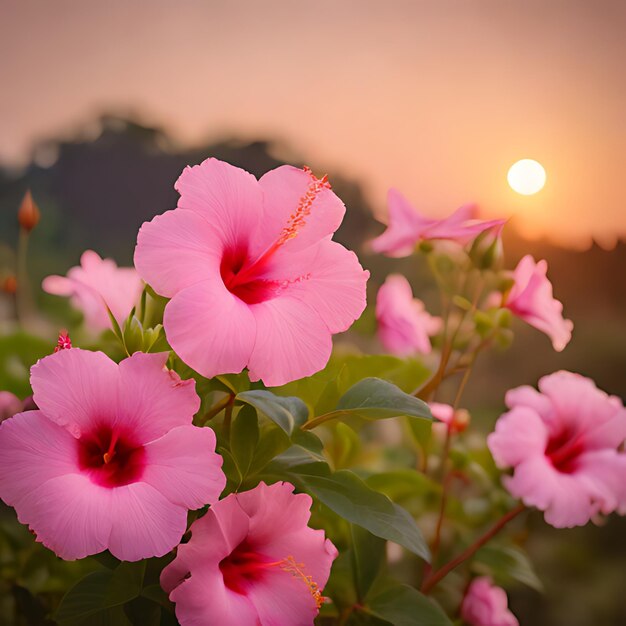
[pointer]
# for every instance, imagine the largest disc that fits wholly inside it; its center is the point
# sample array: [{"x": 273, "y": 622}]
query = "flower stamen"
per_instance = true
[
  {"x": 290, "y": 566},
  {"x": 298, "y": 218}
]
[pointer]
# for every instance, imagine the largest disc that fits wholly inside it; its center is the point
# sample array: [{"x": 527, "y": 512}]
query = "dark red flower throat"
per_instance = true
[{"x": 111, "y": 457}]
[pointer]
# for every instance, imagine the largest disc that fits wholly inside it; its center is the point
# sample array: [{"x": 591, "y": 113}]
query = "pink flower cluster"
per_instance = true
[
  {"x": 564, "y": 443},
  {"x": 404, "y": 326}
]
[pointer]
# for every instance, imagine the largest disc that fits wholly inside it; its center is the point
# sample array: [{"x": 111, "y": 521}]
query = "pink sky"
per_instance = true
[{"x": 436, "y": 98}]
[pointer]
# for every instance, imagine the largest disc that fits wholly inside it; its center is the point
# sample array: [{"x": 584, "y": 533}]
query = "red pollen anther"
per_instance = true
[{"x": 64, "y": 342}]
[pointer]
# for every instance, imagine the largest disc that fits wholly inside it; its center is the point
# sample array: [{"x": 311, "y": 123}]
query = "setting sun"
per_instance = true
[{"x": 527, "y": 177}]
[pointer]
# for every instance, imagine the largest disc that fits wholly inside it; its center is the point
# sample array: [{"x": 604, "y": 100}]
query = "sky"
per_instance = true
[{"x": 435, "y": 98}]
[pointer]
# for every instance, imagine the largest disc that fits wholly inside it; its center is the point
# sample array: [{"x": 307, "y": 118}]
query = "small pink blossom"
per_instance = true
[
  {"x": 404, "y": 326},
  {"x": 111, "y": 459},
  {"x": 251, "y": 560},
  {"x": 563, "y": 444},
  {"x": 254, "y": 278},
  {"x": 531, "y": 299},
  {"x": 9, "y": 405},
  {"x": 486, "y": 605},
  {"x": 454, "y": 420},
  {"x": 407, "y": 227},
  {"x": 95, "y": 284}
]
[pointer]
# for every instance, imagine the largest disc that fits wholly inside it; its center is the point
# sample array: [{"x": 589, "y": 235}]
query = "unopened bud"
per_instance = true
[
  {"x": 9, "y": 405},
  {"x": 64, "y": 342},
  {"x": 461, "y": 420},
  {"x": 28, "y": 214},
  {"x": 9, "y": 284},
  {"x": 486, "y": 251}
]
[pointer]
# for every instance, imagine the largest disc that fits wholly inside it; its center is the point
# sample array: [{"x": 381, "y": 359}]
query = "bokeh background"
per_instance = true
[{"x": 103, "y": 104}]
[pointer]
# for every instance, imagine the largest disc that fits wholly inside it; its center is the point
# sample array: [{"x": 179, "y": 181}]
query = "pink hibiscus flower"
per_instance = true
[
  {"x": 407, "y": 227},
  {"x": 110, "y": 460},
  {"x": 531, "y": 299},
  {"x": 404, "y": 326},
  {"x": 95, "y": 284},
  {"x": 254, "y": 277},
  {"x": 486, "y": 605},
  {"x": 251, "y": 560},
  {"x": 563, "y": 444}
]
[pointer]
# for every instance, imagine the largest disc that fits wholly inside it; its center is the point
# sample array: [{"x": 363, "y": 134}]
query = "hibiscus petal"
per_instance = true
[
  {"x": 404, "y": 230},
  {"x": 144, "y": 522},
  {"x": 326, "y": 277},
  {"x": 204, "y": 599},
  {"x": 562, "y": 497},
  {"x": 184, "y": 467},
  {"x": 72, "y": 386},
  {"x": 177, "y": 249},
  {"x": 33, "y": 449},
  {"x": 69, "y": 514},
  {"x": 292, "y": 341},
  {"x": 603, "y": 472},
  {"x": 589, "y": 410},
  {"x": 229, "y": 198},
  {"x": 58, "y": 285},
  {"x": 284, "y": 189},
  {"x": 153, "y": 399},
  {"x": 519, "y": 434},
  {"x": 278, "y": 522},
  {"x": 211, "y": 330},
  {"x": 281, "y": 598},
  {"x": 214, "y": 536}
]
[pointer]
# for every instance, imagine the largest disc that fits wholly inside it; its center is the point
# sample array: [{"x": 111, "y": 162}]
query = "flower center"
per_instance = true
[
  {"x": 242, "y": 275},
  {"x": 241, "y": 278},
  {"x": 110, "y": 457},
  {"x": 564, "y": 450},
  {"x": 244, "y": 566}
]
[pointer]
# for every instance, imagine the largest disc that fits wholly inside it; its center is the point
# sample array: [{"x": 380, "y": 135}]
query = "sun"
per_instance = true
[{"x": 527, "y": 177}]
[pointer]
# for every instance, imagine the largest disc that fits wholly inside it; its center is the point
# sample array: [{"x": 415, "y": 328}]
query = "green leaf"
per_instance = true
[
  {"x": 230, "y": 469},
  {"x": 117, "y": 331},
  {"x": 322, "y": 391},
  {"x": 107, "y": 559},
  {"x": 402, "y": 605},
  {"x": 98, "y": 598},
  {"x": 18, "y": 352},
  {"x": 506, "y": 564},
  {"x": 403, "y": 483},
  {"x": 374, "y": 399},
  {"x": 244, "y": 436},
  {"x": 272, "y": 442},
  {"x": 307, "y": 448},
  {"x": 347, "y": 495},
  {"x": 288, "y": 413},
  {"x": 368, "y": 557}
]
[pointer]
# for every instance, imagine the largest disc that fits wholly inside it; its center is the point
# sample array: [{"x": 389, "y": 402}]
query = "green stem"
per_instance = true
[
  {"x": 22, "y": 296},
  {"x": 218, "y": 407},
  {"x": 228, "y": 416}
]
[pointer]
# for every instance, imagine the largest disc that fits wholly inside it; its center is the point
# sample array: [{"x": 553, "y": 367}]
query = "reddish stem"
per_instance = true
[{"x": 443, "y": 571}]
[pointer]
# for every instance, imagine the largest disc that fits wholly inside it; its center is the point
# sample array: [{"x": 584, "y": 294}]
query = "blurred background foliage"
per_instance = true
[{"x": 94, "y": 192}]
